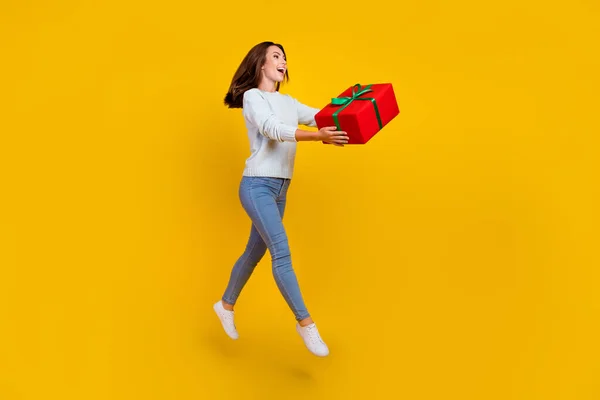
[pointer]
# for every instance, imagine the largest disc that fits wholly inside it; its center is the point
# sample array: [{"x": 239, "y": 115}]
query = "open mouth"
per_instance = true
[{"x": 281, "y": 69}]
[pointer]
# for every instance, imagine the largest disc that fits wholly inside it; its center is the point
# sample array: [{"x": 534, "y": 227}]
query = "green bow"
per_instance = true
[{"x": 357, "y": 91}]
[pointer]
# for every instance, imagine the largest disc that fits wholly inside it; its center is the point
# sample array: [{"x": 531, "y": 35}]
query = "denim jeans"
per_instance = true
[{"x": 264, "y": 199}]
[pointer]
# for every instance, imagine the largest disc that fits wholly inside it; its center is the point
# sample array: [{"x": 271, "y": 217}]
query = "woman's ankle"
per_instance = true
[
  {"x": 306, "y": 321},
  {"x": 227, "y": 306}
]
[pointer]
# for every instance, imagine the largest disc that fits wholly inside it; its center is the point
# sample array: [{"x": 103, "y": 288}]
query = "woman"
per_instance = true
[{"x": 272, "y": 121}]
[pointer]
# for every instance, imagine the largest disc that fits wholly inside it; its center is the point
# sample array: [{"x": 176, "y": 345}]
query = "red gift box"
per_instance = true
[{"x": 360, "y": 111}]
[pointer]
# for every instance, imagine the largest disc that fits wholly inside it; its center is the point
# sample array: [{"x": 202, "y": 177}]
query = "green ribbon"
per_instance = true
[{"x": 357, "y": 91}]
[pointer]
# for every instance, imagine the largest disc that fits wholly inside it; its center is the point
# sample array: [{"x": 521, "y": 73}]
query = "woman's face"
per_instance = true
[{"x": 275, "y": 65}]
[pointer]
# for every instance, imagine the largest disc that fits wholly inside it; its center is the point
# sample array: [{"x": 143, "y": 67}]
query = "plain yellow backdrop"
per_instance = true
[{"x": 452, "y": 257}]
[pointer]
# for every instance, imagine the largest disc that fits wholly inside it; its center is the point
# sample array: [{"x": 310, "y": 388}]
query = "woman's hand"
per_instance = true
[{"x": 330, "y": 134}]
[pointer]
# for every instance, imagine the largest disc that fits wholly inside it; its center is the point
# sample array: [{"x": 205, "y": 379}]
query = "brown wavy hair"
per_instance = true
[{"x": 248, "y": 74}]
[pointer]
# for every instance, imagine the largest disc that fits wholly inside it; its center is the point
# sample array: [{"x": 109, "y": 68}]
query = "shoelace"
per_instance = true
[
  {"x": 313, "y": 335},
  {"x": 228, "y": 317}
]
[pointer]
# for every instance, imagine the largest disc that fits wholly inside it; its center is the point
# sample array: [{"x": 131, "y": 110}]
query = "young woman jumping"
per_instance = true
[{"x": 272, "y": 121}]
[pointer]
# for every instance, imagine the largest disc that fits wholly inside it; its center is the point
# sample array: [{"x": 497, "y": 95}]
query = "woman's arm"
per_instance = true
[{"x": 306, "y": 114}]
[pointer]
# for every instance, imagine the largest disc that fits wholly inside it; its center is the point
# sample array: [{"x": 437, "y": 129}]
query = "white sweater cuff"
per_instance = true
[{"x": 288, "y": 134}]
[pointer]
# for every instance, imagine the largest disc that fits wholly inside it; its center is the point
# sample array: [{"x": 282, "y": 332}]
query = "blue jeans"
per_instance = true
[{"x": 264, "y": 200}]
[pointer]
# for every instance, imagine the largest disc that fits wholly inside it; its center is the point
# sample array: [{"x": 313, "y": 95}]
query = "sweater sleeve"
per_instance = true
[
  {"x": 306, "y": 114},
  {"x": 256, "y": 109}
]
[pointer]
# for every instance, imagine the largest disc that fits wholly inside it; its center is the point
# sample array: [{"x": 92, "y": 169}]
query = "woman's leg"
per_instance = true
[
  {"x": 264, "y": 201},
  {"x": 244, "y": 266},
  {"x": 240, "y": 273},
  {"x": 286, "y": 280}
]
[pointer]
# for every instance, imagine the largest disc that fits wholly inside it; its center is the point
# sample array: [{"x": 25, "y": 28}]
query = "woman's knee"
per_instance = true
[{"x": 280, "y": 247}]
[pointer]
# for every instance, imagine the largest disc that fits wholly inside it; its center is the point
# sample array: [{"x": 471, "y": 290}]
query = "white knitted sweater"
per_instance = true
[{"x": 271, "y": 121}]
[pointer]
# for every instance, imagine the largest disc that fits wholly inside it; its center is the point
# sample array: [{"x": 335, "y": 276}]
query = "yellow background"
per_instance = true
[{"x": 453, "y": 257}]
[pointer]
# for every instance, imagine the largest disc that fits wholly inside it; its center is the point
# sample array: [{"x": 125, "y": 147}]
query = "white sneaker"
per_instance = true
[
  {"x": 312, "y": 339},
  {"x": 226, "y": 318}
]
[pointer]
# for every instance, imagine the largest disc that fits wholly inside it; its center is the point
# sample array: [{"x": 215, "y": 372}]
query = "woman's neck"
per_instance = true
[{"x": 267, "y": 86}]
